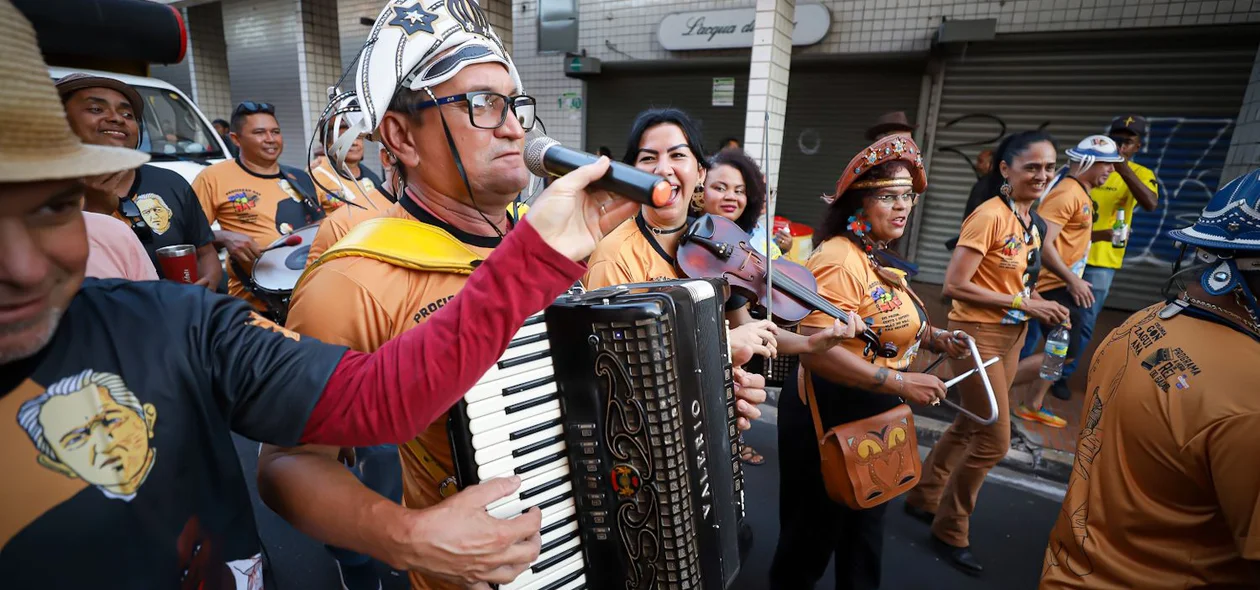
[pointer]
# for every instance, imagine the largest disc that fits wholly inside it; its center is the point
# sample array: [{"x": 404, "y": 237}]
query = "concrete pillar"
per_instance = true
[
  {"x": 207, "y": 61},
  {"x": 1244, "y": 148},
  {"x": 319, "y": 59},
  {"x": 768, "y": 82}
]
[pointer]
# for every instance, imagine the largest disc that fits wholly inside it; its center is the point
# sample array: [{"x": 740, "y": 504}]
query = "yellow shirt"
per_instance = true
[
  {"x": 263, "y": 207},
  {"x": 363, "y": 303},
  {"x": 1113, "y": 196},
  {"x": 993, "y": 230},
  {"x": 1165, "y": 492},
  {"x": 1067, "y": 206},
  {"x": 846, "y": 279},
  {"x": 628, "y": 255}
]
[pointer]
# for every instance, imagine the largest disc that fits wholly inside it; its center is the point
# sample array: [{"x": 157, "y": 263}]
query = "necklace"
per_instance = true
[
  {"x": 1252, "y": 325},
  {"x": 660, "y": 232}
]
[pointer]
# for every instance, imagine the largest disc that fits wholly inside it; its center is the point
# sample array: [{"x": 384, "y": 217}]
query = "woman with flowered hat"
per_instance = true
[{"x": 856, "y": 270}]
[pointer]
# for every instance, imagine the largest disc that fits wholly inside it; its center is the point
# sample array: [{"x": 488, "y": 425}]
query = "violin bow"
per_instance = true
[{"x": 769, "y": 229}]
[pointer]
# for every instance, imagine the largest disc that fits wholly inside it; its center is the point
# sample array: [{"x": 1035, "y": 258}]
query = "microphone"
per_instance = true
[{"x": 545, "y": 156}]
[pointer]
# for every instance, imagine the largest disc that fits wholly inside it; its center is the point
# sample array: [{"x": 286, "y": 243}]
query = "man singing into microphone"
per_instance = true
[{"x": 456, "y": 120}]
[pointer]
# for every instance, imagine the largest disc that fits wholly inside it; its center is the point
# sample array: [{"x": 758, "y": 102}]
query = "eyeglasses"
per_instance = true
[
  {"x": 488, "y": 110},
  {"x": 250, "y": 107},
  {"x": 888, "y": 200},
  {"x": 131, "y": 211}
]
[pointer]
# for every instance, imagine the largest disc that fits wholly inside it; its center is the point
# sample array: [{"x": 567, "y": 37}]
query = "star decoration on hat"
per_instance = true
[{"x": 413, "y": 19}]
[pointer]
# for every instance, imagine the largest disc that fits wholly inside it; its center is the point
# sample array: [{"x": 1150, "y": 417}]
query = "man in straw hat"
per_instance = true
[
  {"x": 436, "y": 87},
  {"x": 1165, "y": 493},
  {"x": 116, "y": 458}
]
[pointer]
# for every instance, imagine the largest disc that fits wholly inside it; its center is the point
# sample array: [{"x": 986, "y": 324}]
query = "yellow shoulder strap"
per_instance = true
[{"x": 403, "y": 242}]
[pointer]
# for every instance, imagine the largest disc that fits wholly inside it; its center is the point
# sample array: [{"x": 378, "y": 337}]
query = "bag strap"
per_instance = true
[
  {"x": 406, "y": 243},
  {"x": 806, "y": 384},
  {"x": 446, "y": 482}
]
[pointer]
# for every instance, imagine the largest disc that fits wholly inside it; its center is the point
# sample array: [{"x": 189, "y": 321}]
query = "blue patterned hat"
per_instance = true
[{"x": 1231, "y": 220}]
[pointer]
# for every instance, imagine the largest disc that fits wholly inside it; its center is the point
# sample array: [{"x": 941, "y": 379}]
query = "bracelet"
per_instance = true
[
  {"x": 901, "y": 382},
  {"x": 1018, "y": 301}
]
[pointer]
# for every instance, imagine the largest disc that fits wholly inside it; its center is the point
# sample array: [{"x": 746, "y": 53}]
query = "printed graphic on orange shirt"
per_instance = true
[
  {"x": 258, "y": 321},
  {"x": 884, "y": 299},
  {"x": 243, "y": 200},
  {"x": 431, "y": 308},
  {"x": 91, "y": 427},
  {"x": 1010, "y": 246},
  {"x": 1171, "y": 367}
]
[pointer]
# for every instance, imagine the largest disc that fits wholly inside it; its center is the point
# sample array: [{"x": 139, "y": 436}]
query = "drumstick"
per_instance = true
[{"x": 293, "y": 240}]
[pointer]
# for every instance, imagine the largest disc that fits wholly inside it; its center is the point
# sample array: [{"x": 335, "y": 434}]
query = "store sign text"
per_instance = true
[{"x": 724, "y": 29}]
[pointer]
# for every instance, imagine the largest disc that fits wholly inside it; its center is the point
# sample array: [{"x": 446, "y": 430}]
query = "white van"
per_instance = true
[{"x": 175, "y": 133}]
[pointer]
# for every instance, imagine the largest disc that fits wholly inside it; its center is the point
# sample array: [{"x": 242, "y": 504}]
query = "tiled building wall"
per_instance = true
[
  {"x": 319, "y": 63},
  {"x": 262, "y": 56},
  {"x": 620, "y": 30},
  {"x": 1244, "y": 152},
  {"x": 208, "y": 62}
]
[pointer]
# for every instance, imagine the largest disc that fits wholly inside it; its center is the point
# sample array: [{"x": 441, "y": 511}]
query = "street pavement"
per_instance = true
[{"x": 1013, "y": 518}]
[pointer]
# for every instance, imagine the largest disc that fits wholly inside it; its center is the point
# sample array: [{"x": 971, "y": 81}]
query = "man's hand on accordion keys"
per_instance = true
[
  {"x": 459, "y": 541},
  {"x": 750, "y": 392}
]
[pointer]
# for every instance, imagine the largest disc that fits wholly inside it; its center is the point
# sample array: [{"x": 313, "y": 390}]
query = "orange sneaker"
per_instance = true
[{"x": 1042, "y": 415}]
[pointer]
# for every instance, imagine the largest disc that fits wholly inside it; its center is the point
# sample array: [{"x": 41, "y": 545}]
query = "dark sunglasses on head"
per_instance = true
[
  {"x": 250, "y": 107},
  {"x": 131, "y": 211}
]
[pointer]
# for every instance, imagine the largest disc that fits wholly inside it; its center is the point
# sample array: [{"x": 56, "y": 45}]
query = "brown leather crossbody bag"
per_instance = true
[{"x": 866, "y": 462}]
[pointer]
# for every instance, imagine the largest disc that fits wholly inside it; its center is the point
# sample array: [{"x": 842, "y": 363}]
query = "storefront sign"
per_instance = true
[
  {"x": 724, "y": 29},
  {"x": 724, "y": 92}
]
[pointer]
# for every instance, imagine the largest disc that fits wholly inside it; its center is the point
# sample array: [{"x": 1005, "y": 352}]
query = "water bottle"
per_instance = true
[
  {"x": 1056, "y": 351},
  {"x": 1119, "y": 231}
]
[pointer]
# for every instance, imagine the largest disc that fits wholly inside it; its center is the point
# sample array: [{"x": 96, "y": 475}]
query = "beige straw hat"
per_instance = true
[{"x": 37, "y": 143}]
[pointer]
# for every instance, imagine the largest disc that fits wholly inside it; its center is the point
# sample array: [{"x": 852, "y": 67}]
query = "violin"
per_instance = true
[{"x": 715, "y": 247}]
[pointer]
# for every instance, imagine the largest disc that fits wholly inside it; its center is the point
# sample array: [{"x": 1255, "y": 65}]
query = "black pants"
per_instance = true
[{"x": 812, "y": 528}]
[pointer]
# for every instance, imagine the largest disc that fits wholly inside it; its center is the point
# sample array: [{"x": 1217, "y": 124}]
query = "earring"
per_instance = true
[
  {"x": 858, "y": 223},
  {"x": 697, "y": 199},
  {"x": 1006, "y": 189}
]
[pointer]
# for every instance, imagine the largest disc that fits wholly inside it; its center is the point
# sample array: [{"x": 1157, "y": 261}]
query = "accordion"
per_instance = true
[{"x": 616, "y": 408}]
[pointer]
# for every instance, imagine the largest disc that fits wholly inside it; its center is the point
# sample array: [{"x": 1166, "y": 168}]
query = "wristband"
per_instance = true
[
  {"x": 901, "y": 382},
  {"x": 1018, "y": 301}
]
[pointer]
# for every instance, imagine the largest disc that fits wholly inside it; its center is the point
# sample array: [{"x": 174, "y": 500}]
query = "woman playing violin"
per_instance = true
[
  {"x": 851, "y": 382},
  {"x": 734, "y": 189},
  {"x": 666, "y": 142}
]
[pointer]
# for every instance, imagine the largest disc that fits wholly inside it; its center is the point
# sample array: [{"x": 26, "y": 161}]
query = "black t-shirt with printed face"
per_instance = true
[
  {"x": 169, "y": 207},
  {"x": 117, "y": 451}
]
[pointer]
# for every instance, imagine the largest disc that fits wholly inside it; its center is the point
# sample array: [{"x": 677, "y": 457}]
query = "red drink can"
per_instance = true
[
  {"x": 780, "y": 224},
  {"x": 179, "y": 263}
]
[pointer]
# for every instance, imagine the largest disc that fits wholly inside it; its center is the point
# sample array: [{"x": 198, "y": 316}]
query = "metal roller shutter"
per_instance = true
[
  {"x": 829, "y": 108},
  {"x": 614, "y": 98},
  {"x": 1190, "y": 91},
  {"x": 830, "y": 105}
]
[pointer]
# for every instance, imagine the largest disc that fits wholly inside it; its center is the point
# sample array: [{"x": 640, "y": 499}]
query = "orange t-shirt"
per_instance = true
[
  {"x": 993, "y": 230},
  {"x": 263, "y": 207},
  {"x": 628, "y": 255},
  {"x": 1070, "y": 207},
  {"x": 327, "y": 178},
  {"x": 1164, "y": 493},
  {"x": 846, "y": 279},
  {"x": 340, "y": 222},
  {"x": 363, "y": 303}
]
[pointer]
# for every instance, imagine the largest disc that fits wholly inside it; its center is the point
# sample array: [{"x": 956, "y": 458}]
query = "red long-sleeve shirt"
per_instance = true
[{"x": 397, "y": 391}]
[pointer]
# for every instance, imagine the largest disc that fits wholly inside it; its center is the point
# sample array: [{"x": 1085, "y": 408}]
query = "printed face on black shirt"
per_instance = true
[
  {"x": 124, "y": 459},
  {"x": 170, "y": 208}
]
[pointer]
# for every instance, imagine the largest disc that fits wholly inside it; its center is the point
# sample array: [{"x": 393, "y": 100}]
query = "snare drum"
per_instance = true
[{"x": 277, "y": 271}]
